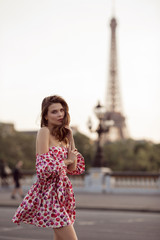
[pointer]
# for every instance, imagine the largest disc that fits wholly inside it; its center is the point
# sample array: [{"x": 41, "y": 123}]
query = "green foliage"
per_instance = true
[
  {"x": 21, "y": 146},
  {"x": 18, "y": 146},
  {"x": 130, "y": 155},
  {"x": 86, "y": 147}
]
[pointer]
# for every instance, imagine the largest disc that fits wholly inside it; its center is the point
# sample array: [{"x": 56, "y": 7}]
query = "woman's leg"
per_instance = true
[
  {"x": 65, "y": 233},
  {"x": 55, "y": 236}
]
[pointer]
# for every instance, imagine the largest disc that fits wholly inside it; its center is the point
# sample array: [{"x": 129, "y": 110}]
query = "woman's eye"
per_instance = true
[{"x": 54, "y": 111}]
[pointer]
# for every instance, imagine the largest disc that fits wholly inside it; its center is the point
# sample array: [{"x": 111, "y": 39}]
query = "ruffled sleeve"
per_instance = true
[
  {"x": 48, "y": 164},
  {"x": 80, "y": 166}
]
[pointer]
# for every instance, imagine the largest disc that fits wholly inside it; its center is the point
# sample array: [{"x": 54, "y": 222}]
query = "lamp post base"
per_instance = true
[{"x": 94, "y": 181}]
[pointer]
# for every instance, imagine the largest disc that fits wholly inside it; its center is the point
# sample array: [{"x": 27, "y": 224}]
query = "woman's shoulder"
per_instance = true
[
  {"x": 42, "y": 141},
  {"x": 43, "y": 131}
]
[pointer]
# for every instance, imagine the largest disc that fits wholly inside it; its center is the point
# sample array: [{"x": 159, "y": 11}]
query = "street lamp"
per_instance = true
[{"x": 103, "y": 127}]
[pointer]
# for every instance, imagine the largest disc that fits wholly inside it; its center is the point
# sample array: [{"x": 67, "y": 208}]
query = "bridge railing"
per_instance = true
[
  {"x": 120, "y": 182},
  {"x": 114, "y": 182},
  {"x": 136, "y": 182}
]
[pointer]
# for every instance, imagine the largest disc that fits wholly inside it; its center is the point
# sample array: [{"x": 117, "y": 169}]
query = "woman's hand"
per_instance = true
[
  {"x": 72, "y": 154},
  {"x": 68, "y": 162},
  {"x": 71, "y": 161}
]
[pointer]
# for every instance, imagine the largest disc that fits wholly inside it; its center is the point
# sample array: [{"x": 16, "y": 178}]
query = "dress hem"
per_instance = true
[{"x": 42, "y": 226}]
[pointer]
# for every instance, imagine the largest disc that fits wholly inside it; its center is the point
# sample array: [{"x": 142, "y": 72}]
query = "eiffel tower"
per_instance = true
[{"x": 113, "y": 106}]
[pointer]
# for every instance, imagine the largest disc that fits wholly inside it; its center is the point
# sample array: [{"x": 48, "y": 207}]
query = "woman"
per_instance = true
[{"x": 50, "y": 201}]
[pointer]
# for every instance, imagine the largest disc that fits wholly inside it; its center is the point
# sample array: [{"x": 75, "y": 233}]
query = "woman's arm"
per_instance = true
[
  {"x": 72, "y": 155},
  {"x": 78, "y": 165},
  {"x": 72, "y": 152},
  {"x": 47, "y": 162},
  {"x": 71, "y": 139},
  {"x": 42, "y": 141}
]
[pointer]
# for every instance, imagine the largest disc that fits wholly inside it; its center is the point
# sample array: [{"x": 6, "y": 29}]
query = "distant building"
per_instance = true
[
  {"x": 32, "y": 133},
  {"x": 7, "y": 129}
]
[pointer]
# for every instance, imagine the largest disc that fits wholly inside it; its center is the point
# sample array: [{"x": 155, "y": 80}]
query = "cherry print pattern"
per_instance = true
[{"x": 50, "y": 202}]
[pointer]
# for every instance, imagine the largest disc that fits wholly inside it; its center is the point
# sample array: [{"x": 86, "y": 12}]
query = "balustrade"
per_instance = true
[{"x": 114, "y": 182}]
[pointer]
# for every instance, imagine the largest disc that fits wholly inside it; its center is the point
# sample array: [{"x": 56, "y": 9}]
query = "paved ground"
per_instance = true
[
  {"x": 118, "y": 202},
  {"x": 99, "y": 217},
  {"x": 90, "y": 225}
]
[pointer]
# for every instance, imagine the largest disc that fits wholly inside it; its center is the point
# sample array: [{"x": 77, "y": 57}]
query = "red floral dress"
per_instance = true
[{"x": 50, "y": 201}]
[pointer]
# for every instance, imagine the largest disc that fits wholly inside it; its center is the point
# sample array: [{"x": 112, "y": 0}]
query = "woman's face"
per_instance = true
[{"x": 55, "y": 114}]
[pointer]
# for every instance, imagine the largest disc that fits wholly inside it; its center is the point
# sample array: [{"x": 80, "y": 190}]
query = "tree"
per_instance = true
[
  {"x": 131, "y": 155},
  {"x": 86, "y": 147},
  {"x": 18, "y": 146}
]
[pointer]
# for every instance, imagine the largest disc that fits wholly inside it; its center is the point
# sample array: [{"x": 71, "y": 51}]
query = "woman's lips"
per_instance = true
[{"x": 60, "y": 120}]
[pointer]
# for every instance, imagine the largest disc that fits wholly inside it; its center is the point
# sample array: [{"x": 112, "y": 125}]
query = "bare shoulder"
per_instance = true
[
  {"x": 42, "y": 142},
  {"x": 44, "y": 131}
]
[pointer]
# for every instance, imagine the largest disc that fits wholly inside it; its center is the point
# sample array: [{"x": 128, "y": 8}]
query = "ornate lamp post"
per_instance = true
[
  {"x": 94, "y": 181},
  {"x": 103, "y": 127}
]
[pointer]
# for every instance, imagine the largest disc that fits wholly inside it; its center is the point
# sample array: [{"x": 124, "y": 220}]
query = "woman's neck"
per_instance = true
[{"x": 50, "y": 127}]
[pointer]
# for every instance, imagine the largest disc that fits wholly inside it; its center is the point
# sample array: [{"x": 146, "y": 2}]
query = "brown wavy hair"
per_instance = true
[{"x": 60, "y": 132}]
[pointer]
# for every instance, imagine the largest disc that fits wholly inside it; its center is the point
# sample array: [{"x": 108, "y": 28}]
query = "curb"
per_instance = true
[{"x": 119, "y": 209}]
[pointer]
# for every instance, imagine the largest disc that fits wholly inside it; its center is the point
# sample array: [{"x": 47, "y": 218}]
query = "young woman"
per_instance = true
[{"x": 50, "y": 201}]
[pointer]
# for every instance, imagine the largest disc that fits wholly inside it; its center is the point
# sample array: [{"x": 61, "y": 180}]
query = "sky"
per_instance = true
[{"x": 62, "y": 47}]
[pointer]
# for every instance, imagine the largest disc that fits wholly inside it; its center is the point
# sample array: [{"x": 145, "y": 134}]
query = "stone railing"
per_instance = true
[
  {"x": 119, "y": 182},
  {"x": 113, "y": 182},
  {"x": 132, "y": 182}
]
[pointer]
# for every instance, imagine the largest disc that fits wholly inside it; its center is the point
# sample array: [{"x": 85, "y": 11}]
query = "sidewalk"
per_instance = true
[
  {"x": 119, "y": 202},
  {"x": 96, "y": 201}
]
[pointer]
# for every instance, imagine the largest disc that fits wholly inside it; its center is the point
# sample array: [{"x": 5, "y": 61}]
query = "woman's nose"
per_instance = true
[{"x": 60, "y": 114}]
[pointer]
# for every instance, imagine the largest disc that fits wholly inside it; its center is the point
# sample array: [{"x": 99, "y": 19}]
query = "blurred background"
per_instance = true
[
  {"x": 64, "y": 47},
  {"x": 102, "y": 57}
]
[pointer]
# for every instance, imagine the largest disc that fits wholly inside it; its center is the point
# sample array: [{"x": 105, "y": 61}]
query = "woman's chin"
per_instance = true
[{"x": 59, "y": 124}]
